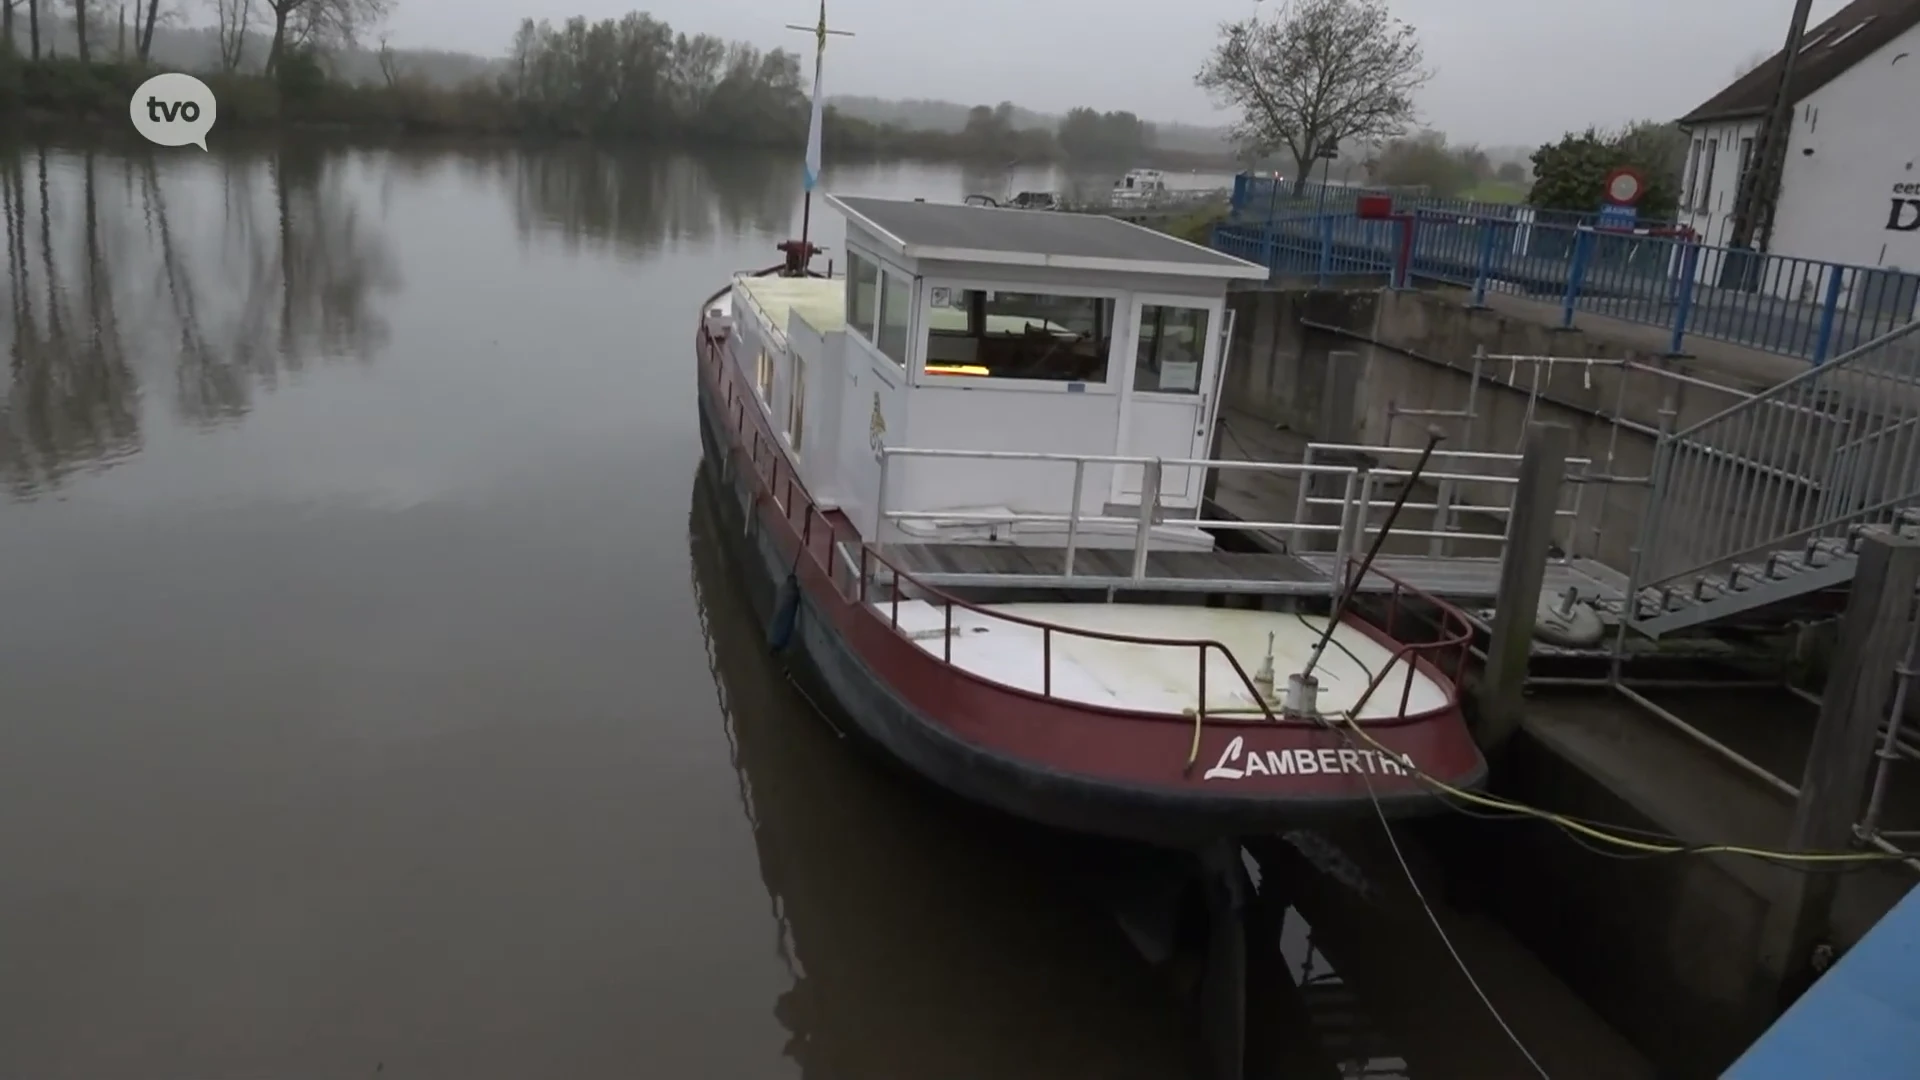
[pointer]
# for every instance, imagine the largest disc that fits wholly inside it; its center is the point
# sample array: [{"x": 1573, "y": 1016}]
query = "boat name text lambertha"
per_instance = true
[{"x": 1235, "y": 763}]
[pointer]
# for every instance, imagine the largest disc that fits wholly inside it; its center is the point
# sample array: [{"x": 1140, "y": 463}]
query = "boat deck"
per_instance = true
[
  {"x": 1460, "y": 579},
  {"x": 1161, "y": 678}
]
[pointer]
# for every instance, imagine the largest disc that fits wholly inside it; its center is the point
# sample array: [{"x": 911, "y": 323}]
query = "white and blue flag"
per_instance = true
[{"x": 819, "y": 101}]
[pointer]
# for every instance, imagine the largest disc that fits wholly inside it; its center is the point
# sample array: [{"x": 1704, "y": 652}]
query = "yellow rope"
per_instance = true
[
  {"x": 1347, "y": 722},
  {"x": 1602, "y": 835}
]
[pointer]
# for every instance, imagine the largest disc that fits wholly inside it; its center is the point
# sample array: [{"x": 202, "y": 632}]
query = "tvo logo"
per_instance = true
[{"x": 173, "y": 110}]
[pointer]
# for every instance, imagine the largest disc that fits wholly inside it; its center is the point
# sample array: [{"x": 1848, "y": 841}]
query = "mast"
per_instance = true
[{"x": 815, "y": 125}]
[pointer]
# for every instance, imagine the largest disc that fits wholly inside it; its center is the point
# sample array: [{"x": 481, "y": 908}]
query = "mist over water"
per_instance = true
[{"x": 377, "y": 698}]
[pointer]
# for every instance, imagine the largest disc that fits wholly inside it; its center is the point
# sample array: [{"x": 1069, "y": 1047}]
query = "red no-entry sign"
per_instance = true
[{"x": 1625, "y": 186}]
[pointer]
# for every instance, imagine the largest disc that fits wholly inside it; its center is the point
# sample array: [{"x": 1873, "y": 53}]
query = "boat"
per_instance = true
[
  {"x": 1140, "y": 187},
  {"x": 966, "y": 477}
]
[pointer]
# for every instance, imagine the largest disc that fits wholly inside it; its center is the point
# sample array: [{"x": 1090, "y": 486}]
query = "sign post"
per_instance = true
[{"x": 1620, "y": 198}]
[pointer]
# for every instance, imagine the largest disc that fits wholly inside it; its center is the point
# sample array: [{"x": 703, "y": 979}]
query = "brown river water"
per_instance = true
[{"x": 375, "y": 698}]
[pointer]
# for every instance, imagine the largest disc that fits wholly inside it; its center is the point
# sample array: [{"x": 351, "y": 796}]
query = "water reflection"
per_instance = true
[
  {"x": 71, "y": 397},
  {"x": 209, "y": 278},
  {"x": 637, "y": 199},
  {"x": 920, "y": 944}
]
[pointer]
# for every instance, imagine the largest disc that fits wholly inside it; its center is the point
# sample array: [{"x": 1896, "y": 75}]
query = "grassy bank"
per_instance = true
[
  {"x": 1197, "y": 227},
  {"x": 65, "y": 90}
]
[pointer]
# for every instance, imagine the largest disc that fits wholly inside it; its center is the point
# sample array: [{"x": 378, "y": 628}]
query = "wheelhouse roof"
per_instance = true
[{"x": 1048, "y": 238}]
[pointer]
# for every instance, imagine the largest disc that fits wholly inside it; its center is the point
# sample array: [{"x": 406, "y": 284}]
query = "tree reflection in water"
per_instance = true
[
  {"x": 216, "y": 275},
  {"x": 635, "y": 199}
]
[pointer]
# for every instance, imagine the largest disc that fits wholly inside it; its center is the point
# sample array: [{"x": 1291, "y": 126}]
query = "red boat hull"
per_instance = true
[{"x": 1071, "y": 765}]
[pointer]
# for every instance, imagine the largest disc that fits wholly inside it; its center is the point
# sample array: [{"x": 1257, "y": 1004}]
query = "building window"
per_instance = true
[
  {"x": 863, "y": 294},
  {"x": 1746, "y": 163},
  {"x": 763, "y": 376},
  {"x": 1169, "y": 348},
  {"x": 1693, "y": 173},
  {"x": 797, "y": 404},
  {"x": 1706, "y": 177},
  {"x": 896, "y": 304},
  {"x": 988, "y": 333}
]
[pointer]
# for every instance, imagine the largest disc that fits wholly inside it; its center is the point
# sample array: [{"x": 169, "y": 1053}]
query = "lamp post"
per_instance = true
[{"x": 1327, "y": 155}]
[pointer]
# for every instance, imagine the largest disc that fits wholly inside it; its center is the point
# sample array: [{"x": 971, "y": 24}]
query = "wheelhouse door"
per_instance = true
[{"x": 1165, "y": 407}]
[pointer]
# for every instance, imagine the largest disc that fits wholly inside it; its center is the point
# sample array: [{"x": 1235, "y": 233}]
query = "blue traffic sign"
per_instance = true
[{"x": 1618, "y": 217}]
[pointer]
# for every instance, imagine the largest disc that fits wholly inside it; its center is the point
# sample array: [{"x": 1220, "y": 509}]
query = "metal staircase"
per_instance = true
[{"x": 1762, "y": 504}]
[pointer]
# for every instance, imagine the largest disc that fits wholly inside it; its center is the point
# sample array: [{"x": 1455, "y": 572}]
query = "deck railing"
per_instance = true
[
  {"x": 1150, "y": 513},
  {"x": 1795, "y": 307},
  {"x": 1453, "y": 636},
  {"x": 824, "y": 542},
  {"x": 1358, "y": 501},
  {"x": 1459, "y": 473}
]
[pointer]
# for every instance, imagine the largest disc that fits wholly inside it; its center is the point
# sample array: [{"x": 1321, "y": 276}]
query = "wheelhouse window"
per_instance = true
[
  {"x": 863, "y": 294},
  {"x": 1168, "y": 352},
  {"x": 797, "y": 404},
  {"x": 763, "y": 376},
  {"x": 995, "y": 334},
  {"x": 896, "y": 303}
]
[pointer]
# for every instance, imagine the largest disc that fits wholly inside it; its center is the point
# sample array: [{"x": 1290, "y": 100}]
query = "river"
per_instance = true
[{"x": 374, "y": 699}]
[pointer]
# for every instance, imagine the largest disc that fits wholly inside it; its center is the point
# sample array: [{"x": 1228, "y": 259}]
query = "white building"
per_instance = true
[{"x": 1850, "y": 190}]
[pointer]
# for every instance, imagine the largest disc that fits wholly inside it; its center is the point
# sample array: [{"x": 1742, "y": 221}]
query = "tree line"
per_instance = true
[{"x": 633, "y": 77}]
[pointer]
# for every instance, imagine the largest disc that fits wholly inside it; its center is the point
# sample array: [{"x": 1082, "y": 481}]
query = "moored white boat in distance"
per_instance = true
[
  {"x": 1139, "y": 187},
  {"x": 967, "y": 478}
]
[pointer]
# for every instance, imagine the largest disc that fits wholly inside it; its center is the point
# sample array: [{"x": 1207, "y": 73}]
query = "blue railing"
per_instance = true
[
  {"x": 1796, "y": 307},
  {"x": 1259, "y": 199}
]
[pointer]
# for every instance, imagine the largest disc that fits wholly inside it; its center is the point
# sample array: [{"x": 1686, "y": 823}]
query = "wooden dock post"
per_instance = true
[
  {"x": 1872, "y": 643},
  {"x": 1523, "y": 571},
  {"x": 1339, "y": 394}
]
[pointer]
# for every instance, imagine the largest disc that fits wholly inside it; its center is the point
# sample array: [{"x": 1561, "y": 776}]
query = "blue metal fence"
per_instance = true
[
  {"x": 1797, "y": 307},
  {"x": 1259, "y": 198}
]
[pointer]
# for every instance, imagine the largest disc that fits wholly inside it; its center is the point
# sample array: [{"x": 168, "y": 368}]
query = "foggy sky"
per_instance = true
[{"x": 1507, "y": 71}]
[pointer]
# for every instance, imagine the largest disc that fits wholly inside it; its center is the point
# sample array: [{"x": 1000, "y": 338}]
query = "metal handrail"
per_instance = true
[
  {"x": 1149, "y": 513},
  {"x": 1460, "y": 639},
  {"x": 1806, "y": 461},
  {"x": 1812, "y": 374}
]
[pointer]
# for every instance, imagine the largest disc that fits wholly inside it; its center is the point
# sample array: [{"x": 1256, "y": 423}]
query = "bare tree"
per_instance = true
[
  {"x": 33, "y": 26},
  {"x": 320, "y": 23},
  {"x": 1321, "y": 73},
  {"x": 389, "y": 65},
  {"x": 231, "y": 18},
  {"x": 143, "y": 29},
  {"x": 80, "y": 26},
  {"x": 6, "y": 19}
]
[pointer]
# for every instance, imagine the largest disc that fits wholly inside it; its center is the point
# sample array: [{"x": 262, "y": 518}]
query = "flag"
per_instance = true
[{"x": 815, "y": 123}]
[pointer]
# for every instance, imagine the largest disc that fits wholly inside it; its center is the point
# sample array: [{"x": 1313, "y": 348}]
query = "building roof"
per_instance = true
[
  {"x": 1851, "y": 35},
  {"x": 1049, "y": 238}
]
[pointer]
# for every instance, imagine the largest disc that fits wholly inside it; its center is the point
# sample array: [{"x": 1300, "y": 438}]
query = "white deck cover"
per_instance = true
[{"x": 1158, "y": 678}]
